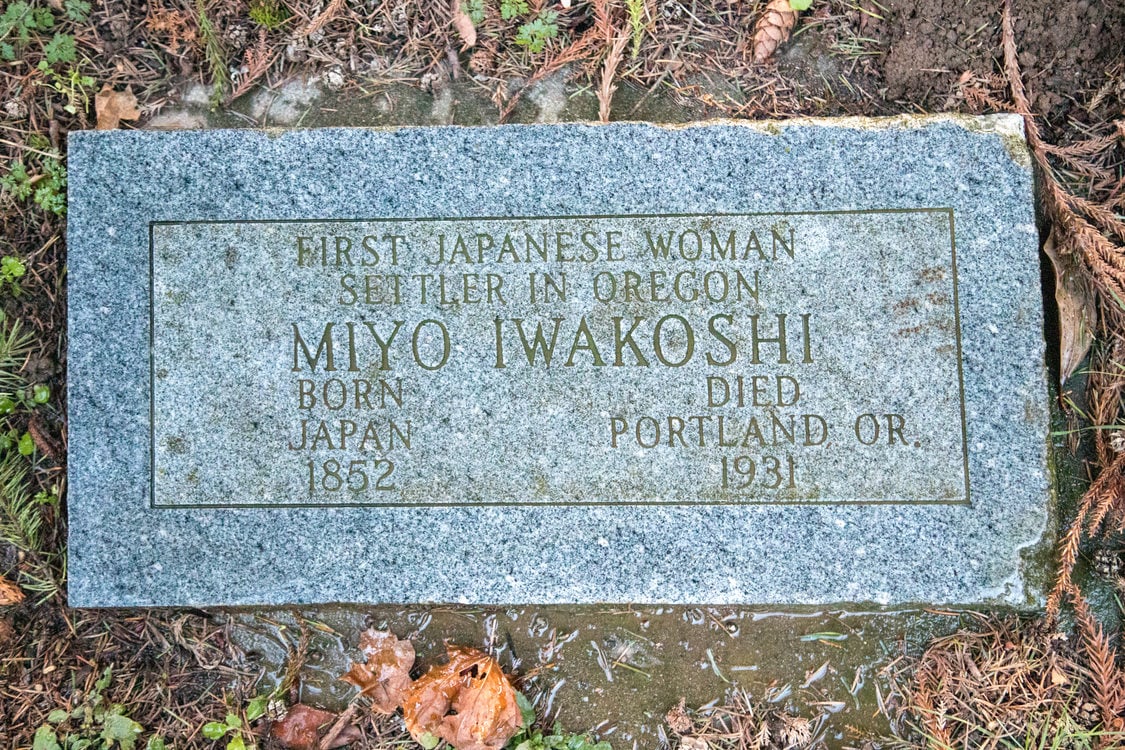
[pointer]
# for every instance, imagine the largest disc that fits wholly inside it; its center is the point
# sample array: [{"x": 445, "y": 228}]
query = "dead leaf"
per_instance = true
[
  {"x": 487, "y": 715},
  {"x": 111, "y": 107},
  {"x": 10, "y": 593},
  {"x": 464, "y": 26},
  {"x": 431, "y": 696},
  {"x": 773, "y": 28},
  {"x": 1077, "y": 313},
  {"x": 343, "y": 732},
  {"x": 301, "y": 727},
  {"x": 1058, "y": 678},
  {"x": 385, "y": 677},
  {"x": 473, "y": 685}
]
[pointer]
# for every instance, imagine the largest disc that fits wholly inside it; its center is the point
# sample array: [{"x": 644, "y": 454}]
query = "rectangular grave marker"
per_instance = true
[{"x": 724, "y": 363}]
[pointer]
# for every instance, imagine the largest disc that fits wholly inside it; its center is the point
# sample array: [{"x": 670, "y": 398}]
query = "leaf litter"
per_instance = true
[
  {"x": 468, "y": 702},
  {"x": 385, "y": 676}
]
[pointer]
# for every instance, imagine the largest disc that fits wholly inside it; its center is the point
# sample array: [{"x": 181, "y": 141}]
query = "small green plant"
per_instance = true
[
  {"x": 51, "y": 194},
  {"x": 95, "y": 724},
  {"x": 48, "y": 189},
  {"x": 800, "y": 4},
  {"x": 76, "y": 10},
  {"x": 234, "y": 728},
  {"x": 533, "y": 738},
  {"x": 269, "y": 14},
  {"x": 213, "y": 52},
  {"x": 474, "y": 9},
  {"x": 62, "y": 48},
  {"x": 12, "y": 269},
  {"x": 17, "y": 23},
  {"x": 21, "y": 508},
  {"x": 27, "y": 398},
  {"x": 556, "y": 740},
  {"x": 59, "y": 64},
  {"x": 535, "y": 34},
  {"x": 17, "y": 182},
  {"x": 636, "y": 10},
  {"x": 510, "y": 9},
  {"x": 71, "y": 84}
]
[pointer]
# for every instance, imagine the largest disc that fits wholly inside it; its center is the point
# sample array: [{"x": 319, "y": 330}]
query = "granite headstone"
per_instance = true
[{"x": 726, "y": 363}]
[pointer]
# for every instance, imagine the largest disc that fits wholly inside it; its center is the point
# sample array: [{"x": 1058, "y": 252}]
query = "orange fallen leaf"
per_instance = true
[
  {"x": 431, "y": 696},
  {"x": 385, "y": 677},
  {"x": 302, "y": 726},
  {"x": 473, "y": 685},
  {"x": 10, "y": 593},
  {"x": 111, "y": 107},
  {"x": 487, "y": 715},
  {"x": 464, "y": 26}
]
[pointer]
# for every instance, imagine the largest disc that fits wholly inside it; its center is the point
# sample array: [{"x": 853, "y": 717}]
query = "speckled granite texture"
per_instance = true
[{"x": 206, "y": 465}]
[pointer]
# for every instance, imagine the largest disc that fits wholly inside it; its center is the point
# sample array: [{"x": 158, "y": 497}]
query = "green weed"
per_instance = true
[
  {"x": 71, "y": 84},
  {"x": 21, "y": 510},
  {"x": 234, "y": 727},
  {"x": 47, "y": 189},
  {"x": 800, "y": 4},
  {"x": 535, "y": 34},
  {"x": 95, "y": 724},
  {"x": 557, "y": 740},
  {"x": 510, "y": 9},
  {"x": 17, "y": 182},
  {"x": 21, "y": 23},
  {"x": 17, "y": 24},
  {"x": 636, "y": 10},
  {"x": 12, "y": 269},
  {"x": 76, "y": 10},
  {"x": 269, "y": 14},
  {"x": 532, "y": 738},
  {"x": 216, "y": 58},
  {"x": 474, "y": 9}
]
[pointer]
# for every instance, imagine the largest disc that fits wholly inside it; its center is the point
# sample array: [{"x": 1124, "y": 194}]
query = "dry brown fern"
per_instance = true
[
  {"x": 1107, "y": 682},
  {"x": 773, "y": 28},
  {"x": 257, "y": 60},
  {"x": 609, "y": 70}
]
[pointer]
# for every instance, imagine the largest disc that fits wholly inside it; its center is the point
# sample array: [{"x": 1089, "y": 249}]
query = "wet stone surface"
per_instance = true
[{"x": 724, "y": 363}]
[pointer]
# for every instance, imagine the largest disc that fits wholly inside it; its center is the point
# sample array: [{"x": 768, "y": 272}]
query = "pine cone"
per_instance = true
[
  {"x": 1107, "y": 563},
  {"x": 773, "y": 27},
  {"x": 482, "y": 62},
  {"x": 1088, "y": 714}
]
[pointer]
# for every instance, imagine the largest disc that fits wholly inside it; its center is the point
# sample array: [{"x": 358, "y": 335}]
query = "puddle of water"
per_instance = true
[{"x": 618, "y": 670}]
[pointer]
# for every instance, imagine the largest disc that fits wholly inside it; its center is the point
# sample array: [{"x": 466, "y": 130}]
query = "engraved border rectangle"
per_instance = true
[{"x": 967, "y": 501}]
